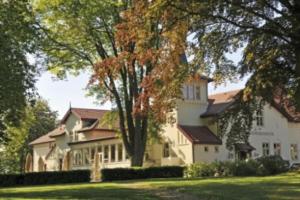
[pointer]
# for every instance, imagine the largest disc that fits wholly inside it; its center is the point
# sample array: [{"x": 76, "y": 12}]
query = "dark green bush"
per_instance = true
[
  {"x": 7, "y": 180},
  {"x": 42, "y": 178},
  {"x": 245, "y": 168},
  {"x": 141, "y": 173},
  {"x": 271, "y": 165}
]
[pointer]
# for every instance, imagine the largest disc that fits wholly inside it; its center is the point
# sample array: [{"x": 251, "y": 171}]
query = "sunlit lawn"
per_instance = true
[{"x": 286, "y": 186}]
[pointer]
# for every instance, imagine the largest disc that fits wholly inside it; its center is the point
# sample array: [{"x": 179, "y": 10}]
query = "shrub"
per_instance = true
[
  {"x": 224, "y": 168},
  {"x": 200, "y": 170},
  {"x": 245, "y": 168},
  {"x": 7, "y": 180},
  {"x": 41, "y": 178},
  {"x": 141, "y": 173},
  {"x": 271, "y": 165}
]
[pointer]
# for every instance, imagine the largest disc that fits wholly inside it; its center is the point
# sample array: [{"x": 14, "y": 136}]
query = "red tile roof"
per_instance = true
[
  {"x": 58, "y": 132},
  {"x": 43, "y": 139},
  {"x": 220, "y": 102},
  {"x": 199, "y": 135},
  {"x": 100, "y": 135},
  {"x": 85, "y": 113}
]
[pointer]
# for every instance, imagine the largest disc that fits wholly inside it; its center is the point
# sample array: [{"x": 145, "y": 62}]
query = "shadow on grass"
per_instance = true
[
  {"x": 281, "y": 187},
  {"x": 87, "y": 191}
]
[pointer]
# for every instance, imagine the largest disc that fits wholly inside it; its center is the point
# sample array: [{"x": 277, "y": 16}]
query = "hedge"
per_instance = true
[
  {"x": 42, "y": 178},
  {"x": 141, "y": 173},
  {"x": 263, "y": 166}
]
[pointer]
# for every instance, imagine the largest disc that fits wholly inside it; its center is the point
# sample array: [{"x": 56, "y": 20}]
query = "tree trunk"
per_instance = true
[{"x": 137, "y": 158}]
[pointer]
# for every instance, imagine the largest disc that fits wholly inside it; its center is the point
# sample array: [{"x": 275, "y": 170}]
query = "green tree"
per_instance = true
[
  {"x": 135, "y": 62},
  {"x": 266, "y": 32},
  {"x": 37, "y": 120},
  {"x": 16, "y": 74}
]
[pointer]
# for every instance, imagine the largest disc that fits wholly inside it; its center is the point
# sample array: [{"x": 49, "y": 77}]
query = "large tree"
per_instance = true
[
  {"x": 16, "y": 74},
  {"x": 134, "y": 59},
  {"x": 37, "y": 120},
  {"x": 265, "y": 32}
]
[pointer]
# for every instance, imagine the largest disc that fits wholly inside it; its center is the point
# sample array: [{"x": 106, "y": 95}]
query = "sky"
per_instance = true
[{"x": 61, "y": 93}]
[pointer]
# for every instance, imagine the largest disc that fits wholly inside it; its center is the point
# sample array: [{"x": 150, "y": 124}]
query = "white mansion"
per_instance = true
[{"x": 193, "y": 138}]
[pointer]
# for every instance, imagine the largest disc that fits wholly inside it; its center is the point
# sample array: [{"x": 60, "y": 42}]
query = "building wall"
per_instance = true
[
  {"x": 42, "y": 150},
  {"x": 276, "y": 129},
  {"x": 212, "y": 154},
  {"x": 180, "y": 146}
]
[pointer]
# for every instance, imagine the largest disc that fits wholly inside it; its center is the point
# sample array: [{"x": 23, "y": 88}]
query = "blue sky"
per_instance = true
[{"x": 60, "y": 93}]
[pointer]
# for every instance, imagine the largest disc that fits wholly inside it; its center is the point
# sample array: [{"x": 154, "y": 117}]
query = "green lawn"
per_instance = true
[{"x": 285, "y": 187}]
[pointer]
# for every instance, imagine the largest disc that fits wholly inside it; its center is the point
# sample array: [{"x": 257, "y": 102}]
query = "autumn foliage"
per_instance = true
[{"x": 143, "y": 74}]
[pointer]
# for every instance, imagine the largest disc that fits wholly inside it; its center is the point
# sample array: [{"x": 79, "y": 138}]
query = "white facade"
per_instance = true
[{"x": 272, "y": 134}]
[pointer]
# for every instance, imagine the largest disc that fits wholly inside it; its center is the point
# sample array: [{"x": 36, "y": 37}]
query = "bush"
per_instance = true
[
  {"x": 245, "y": 168},
  {"x": 11, "y": 179},
  {"x": 141, "y": 173},
  {"x": 200, "y": 170},
  {"x": 42, "y": 178},
  {"x": 271, "y": 165}
]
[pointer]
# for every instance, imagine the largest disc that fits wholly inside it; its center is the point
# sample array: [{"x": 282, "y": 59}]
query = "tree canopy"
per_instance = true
[
  {"x": 135, "y": 60},
  {"x": 17, "y": 36},
  {"x": 37, "y": 120},
  {"x": 266, "y": 33}
]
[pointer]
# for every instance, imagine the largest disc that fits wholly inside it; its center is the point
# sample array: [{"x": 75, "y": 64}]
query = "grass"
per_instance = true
[{"x": 281, "y": 187}]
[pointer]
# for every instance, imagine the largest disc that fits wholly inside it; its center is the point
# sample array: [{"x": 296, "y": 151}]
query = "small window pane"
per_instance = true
[
  {"x": 206, "y": 148},
  {"x": 106, "y": 150},
  {"x": 120, "y": 152},
  {"x": 166, "y": 150},
  {"x": 112, "y": 153}
]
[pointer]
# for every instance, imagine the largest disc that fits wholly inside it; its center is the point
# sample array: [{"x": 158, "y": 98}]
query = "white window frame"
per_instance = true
[
  {"x": 259, "y": 118},
  {"x": 166, "y": 150},
  {"x": 277, "y": 149},
  {"x": 294, "y": 151},
  {"x": 265, "y": 149}
]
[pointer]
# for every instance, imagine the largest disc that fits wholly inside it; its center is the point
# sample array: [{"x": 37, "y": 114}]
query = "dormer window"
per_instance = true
[
  {"x": 197, "y": 88},
  {"x": 191, "y": 92},
  {"x": 259, "y": 118}
]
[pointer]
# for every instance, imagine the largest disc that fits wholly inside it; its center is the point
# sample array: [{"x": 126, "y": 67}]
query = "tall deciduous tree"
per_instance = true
[
  {"x": 16, "y": 74},
  {"x": 37, "y": 120},
  {"x": 135, "y": 60}
]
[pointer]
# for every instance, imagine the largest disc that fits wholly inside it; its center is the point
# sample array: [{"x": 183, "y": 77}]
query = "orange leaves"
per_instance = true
[{"x": 147, "y": 68}]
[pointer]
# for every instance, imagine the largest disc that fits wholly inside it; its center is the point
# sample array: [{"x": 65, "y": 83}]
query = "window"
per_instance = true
[
  {"x": 86, "y": 156},
  {"x": 93, "y": 151},
  {"x": 206, "y": 149},
  {"x": 259, "y": 118},
  {"x": 266, "y": 149},
  {"x": 100, "y": 149},
  {"x": 191, "y": 92},
  {"x": 277, "y": 149},
  {"x": 294, "y": 151},
  {"x": 76, "y": 136},
  {"x": 78, "y": 157},
  {"x": 166, "y": 150},
  {"x": 120, "y": 152},
  {"x": 112, "y": 153},
  {"x": 106, "y": 150},
  {"x": 216, "y": 149},
  {"x": 185, "y": 92},
  {"x": 197, "y": 92}
]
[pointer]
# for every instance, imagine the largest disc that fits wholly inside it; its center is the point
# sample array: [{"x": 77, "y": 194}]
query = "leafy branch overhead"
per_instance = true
[{"x": 266, "y": 33}]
